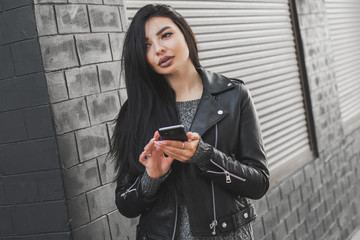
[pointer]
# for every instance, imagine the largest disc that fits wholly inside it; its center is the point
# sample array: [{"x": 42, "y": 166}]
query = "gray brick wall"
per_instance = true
[
  {"x": 81, "y": 50},
  {"x": 32, "y": 202},
  {"x": 81, "y": 44},
  {"x": 320, "y": 200}
]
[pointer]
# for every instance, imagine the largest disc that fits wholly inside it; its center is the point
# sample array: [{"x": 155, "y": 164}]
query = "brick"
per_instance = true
[
  {"x": 319, "y": 230},
  {"x": 314, "y": 201},
  {"x": 298, "y": 179},
  {"x": 104, "y": 19},
  {"x": 40, "y": 217},
  {"x": 122, "y": 227},
  {"x": 82, "y": 81},
  {"x": 292, "y": 221},
  {"x": 67, "y": 150},
  {"x": 103, "y": 107},
  {"x": 306, "y": 190},
  {"x": 58, "y": 52},
  {"x": 92, "y": 142},
  {"x": 280, "y": 231},
  {"x": 123, "y": 17},
  {"x": 6, "y": 64},
  {"x": 321, "y": 211},
  {"x": 12, "y": 127},
  {"x": 303, "y": 212},
  {"x": 70, "y": 115},
  {"x": 18, "y": 24},
  {"x": 81, "y": 178},
  {"x": 107, "y": 169},
  {"x": 301, "y": 231},
  {"x": 98, "y": 229},
  {"x": 22, "y": 92},
  {"x": 72, "y": 18},
  {"x": 286, "y": 188},
  {"x": 78, "y": 211},
  {"x": 27, "y": 57},
  {"x": 39, "y": 155},
  {"x": 56, "y": 86},
  {"x": 101, "y": 201},
  {"x": 116, "y": 42},
  {"x": 93, "y": 48},
  {"x": 33, "y": 187},
  {"x": 86, "y": 1},
  {"x": 258, "y": 229},
  {"x": 38, "y": 122},
  {"x": 6, "y": 226},
  {"x": 45, "y": 20},
  {"x": 295, "y": 199},
  {"x": 109, "y": 76},
  {"x": 270, "y": 220},
  {"x": 283, "y": 208},
  {"x": 311, "y": 220},
  {"x": 49, "y": 1},
  {"x": 309, "y": 170}
]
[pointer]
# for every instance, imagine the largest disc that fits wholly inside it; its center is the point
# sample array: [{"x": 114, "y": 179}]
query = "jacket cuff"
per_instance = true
[
  {"x": 150, "y": 186},
  {"x": 202, "y": 155}
]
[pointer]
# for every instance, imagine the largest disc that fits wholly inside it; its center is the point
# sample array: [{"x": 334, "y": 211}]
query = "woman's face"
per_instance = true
[{"x": 166, "y": 48}]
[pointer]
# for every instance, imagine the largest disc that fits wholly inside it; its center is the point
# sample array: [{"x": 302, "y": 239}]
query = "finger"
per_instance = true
[
  {"x": 142, "y": 159},
  {"x": 177, "y": 153},
  {"x": 193, "y": 136}
]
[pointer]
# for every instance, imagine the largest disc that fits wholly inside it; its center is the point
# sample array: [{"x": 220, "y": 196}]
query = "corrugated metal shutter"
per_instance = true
[
  {"x": 253, "y": 41},
  {"x": 344, "y": 21}
]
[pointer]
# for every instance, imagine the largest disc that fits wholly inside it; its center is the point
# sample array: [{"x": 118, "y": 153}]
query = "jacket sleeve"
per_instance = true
[
  {"x": 129, "y": 199},
  {"x": 245, "y": 174}
]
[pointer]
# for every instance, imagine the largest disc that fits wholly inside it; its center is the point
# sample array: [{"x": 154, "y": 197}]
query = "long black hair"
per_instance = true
[{"x": 151, "y": 101}]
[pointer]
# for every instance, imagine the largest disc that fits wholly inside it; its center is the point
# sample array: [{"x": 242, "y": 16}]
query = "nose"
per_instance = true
[{"x": 159, "y": 49}]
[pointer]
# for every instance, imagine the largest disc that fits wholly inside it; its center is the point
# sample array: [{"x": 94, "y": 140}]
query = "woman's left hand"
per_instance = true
[{"x": 181, "y": 151}]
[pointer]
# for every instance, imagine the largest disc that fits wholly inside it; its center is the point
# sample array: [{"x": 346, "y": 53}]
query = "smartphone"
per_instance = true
[{"x": 176, "y": 132}]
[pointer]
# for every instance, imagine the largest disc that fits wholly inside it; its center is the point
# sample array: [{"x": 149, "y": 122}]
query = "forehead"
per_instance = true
[{"x": 154, "y": 24}]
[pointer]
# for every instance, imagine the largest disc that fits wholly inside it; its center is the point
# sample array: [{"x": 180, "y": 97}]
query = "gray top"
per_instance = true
[{"x": 150, "y": 186}]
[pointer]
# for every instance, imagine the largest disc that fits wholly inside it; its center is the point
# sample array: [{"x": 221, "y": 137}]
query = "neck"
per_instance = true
[{"x": 186, "y": 83}]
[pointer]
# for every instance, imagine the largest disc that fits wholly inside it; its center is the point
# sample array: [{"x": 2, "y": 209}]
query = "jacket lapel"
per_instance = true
[
  {"x": 209, "y": 110},
  {"x": 209, "y": 113}
]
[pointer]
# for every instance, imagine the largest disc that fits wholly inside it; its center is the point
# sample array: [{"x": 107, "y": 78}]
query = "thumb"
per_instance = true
[{"x": 193, "y": 136}]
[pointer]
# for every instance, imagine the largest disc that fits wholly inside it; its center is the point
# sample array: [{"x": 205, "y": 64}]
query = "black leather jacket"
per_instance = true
[{"x": 226, "y": 118}]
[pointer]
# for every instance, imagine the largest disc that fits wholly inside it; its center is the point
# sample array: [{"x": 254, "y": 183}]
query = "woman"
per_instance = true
[{"x": 198, "y": 189}]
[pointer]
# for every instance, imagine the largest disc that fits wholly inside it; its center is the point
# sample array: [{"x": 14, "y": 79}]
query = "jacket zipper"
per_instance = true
[
  {"x": 214, "y": 223},
  {"x": 176, "y": 213},
  {"x": 227, "y": 174},
  {"x": 124, "y": 195}
]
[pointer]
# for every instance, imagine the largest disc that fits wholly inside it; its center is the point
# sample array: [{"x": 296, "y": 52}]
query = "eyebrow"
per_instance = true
[
  {"x": 163, "y": 29},
  {"x": 160, "y": 31}
]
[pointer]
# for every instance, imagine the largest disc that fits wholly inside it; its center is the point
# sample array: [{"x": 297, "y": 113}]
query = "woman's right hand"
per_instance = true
[{"x": 156, "y": 164}]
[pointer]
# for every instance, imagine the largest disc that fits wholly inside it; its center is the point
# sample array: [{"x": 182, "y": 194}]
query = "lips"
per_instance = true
[{"x": 165, "y": 61}]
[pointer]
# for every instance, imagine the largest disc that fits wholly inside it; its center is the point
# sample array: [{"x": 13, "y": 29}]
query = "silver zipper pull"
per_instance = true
[
  {"x": 213, "y": 226},
  {"x": 125, "y": 194},
  {"x": 227, "y": 176}
]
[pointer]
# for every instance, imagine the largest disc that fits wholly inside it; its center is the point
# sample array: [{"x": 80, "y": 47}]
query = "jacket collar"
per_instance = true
[
  {"x": 213, "y": 82},
  {"x": 210, "y": 111}
]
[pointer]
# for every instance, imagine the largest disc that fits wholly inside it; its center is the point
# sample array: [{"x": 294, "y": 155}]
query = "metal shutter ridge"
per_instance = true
[
  {"x": 344, "y": 21},
  {"x": 253, "y": 41}
]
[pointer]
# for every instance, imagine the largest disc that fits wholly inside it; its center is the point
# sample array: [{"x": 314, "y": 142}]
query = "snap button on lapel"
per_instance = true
[
  {"x": 246, "y": 215},
  {"x": 224, "y": 225},
  {"x": 229, "y": 84},
  {"x": 220, "y": 112}
]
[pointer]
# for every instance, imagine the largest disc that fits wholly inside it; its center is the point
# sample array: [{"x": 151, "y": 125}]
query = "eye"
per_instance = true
[
  {"x": 166, "y": 35},
  {"x": 147, "y": 45}
]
